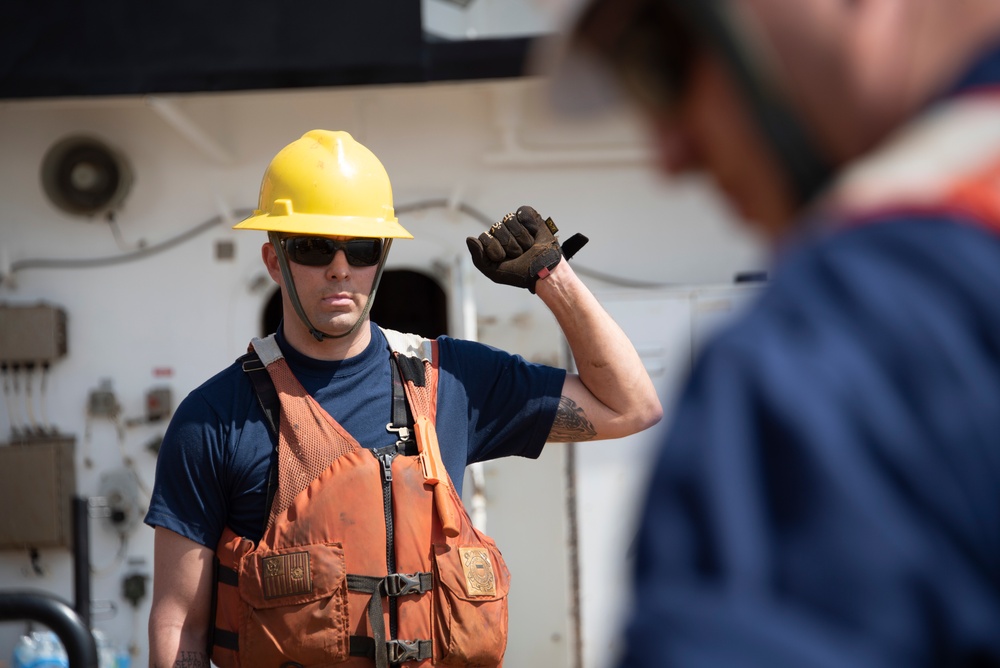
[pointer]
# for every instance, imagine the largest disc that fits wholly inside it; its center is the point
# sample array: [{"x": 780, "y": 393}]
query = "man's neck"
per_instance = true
[
  {"x": 328, "y": 349},
  {"x": 942, "y": 40}
]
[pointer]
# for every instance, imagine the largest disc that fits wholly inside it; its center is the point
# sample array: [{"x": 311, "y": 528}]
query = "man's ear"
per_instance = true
[{"x": 270, "y": 257}]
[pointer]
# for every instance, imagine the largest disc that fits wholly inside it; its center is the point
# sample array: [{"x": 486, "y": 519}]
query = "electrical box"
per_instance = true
[
  {"x": 33, "y": 333},
  {"x": 37, "y": 485},
  {"x": 102, "y": 402},
  {"x": 158, "y": 404}
]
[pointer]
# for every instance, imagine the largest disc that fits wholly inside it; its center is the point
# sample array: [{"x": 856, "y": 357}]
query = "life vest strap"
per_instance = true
[
  {"x": 225, "y": 639},
  {"x": 395, "y": 584},
  {"x": 226, "y": 575},
  {"x": 397, "y": 651},
  {"x": 383, "y": 649},
  {"x": 267, "y": 396}
]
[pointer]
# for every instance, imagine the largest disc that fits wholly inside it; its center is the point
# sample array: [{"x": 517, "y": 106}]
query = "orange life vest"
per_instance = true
[{"x": 366, "y": 555}]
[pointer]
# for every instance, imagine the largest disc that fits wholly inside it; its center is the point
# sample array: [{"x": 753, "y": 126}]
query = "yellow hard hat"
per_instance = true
[{"x": 326, "y": 183}]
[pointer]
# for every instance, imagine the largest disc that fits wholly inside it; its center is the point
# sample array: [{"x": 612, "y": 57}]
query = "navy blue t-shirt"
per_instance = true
[
  {"x": 213, "y": 465},
  {"x": 829, "y": 491}
]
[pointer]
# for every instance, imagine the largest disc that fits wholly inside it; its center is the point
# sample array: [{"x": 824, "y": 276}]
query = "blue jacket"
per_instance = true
[{"x": 828, "y": 494}]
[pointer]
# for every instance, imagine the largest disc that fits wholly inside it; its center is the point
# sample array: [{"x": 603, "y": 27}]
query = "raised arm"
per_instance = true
[
  {"x": 612, "y": 395},
  {"x": 181, "y": 606}
]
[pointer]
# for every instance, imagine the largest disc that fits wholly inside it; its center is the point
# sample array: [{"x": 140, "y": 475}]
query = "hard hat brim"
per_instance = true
[{"x": 320, "y": 225}]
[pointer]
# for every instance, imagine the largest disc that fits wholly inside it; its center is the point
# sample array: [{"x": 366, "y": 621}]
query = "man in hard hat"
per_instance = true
[
  {"x": 829, "y": 491},
  {"x": 307, "y": 503}
]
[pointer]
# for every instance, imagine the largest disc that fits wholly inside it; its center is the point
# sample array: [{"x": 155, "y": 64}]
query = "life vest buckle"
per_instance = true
[
  {"x": 401, "y": 584},
  {"x": 403, "y": 650}
]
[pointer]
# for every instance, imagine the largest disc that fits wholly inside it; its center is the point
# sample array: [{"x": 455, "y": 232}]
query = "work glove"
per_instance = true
[{"x": 521, "y": 248}]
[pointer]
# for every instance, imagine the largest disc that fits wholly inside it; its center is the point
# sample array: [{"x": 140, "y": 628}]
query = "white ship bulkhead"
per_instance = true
[{"x": 158, "y": 294}]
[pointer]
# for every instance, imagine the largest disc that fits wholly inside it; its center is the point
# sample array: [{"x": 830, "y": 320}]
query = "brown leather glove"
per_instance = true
[{"x": 520, "y": 248}]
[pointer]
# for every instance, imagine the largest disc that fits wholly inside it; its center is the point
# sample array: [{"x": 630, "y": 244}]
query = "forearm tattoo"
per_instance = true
[
  {"x": 191, "y": 660},
  {"x": 571, "y": 423}
]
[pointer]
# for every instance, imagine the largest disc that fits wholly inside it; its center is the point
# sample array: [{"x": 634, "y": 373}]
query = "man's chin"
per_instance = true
[
  {"x": 339, "y": 326},
  {"x": 772, "y": 222}
]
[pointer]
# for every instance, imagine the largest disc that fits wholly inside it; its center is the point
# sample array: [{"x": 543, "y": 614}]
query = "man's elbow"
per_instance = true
[
  {"x": 644, "y": 415},
  {"x": 651, "y": 415}
]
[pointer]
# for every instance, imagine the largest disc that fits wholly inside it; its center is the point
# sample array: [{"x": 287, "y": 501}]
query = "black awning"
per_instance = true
[{"x": 61, "y": 48}]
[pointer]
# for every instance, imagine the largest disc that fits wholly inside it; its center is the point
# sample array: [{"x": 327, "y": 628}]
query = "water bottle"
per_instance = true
[{"x": 40, "y": 650}]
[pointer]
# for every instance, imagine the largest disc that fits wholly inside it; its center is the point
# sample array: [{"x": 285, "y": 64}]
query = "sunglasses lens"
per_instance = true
[
  {"x": 310, "y": 251},
  {"x": 363, "y": 252},
  {"x": 319, "y": 251}
]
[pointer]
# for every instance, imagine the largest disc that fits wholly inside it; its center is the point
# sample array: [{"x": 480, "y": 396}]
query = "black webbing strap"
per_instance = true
[
  {"x": 412, "y": 368},
  {"x": 267, "y": 397},
  {"x": 226, "y": 575},
  {"x": 263, "y": 387},
  {"x": 397, "y": 651},
  {"x": 395, "y": 584},
  {"x": 216, "y": 636},
  {"x": 402, "y": 419},
  {"x": 225, "y": 639}
]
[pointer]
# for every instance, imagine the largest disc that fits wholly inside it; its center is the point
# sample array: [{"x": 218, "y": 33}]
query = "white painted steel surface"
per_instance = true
[{"x": 176, "y": 317}]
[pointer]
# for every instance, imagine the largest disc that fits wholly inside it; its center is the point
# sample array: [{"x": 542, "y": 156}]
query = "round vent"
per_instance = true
[{"x": 85, "y": 177}]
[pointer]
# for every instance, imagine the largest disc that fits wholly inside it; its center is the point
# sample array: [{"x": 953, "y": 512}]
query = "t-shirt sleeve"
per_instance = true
[
  {"x": 188, "y": 495},
  {"x": 507, "y": 403}
]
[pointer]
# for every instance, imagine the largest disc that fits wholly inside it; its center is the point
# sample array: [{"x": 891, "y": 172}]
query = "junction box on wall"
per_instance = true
[
  {"x": 32, "y": 334},
  {"x": 37, "y": 485}
]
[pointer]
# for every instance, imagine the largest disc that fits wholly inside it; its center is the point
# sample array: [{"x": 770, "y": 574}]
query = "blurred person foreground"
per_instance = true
[{"x": 828, "y": 493}]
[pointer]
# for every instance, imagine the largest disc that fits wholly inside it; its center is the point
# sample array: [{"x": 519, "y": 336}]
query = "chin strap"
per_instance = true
[
  {"x": 293, "y": 294},
  {"x": 802, "y": 159}
]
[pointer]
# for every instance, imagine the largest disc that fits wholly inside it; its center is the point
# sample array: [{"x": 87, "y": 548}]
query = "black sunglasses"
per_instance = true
[{"x": 319, "y": 251}]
